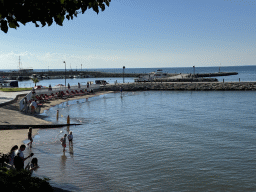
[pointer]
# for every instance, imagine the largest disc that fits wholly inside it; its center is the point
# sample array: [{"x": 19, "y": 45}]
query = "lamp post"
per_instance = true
[
  {"x": 65, "y": 73},
  {"x": 123, "y": 73}
]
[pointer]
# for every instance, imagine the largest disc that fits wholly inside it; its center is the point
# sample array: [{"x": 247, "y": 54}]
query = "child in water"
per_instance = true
[
  {"x": 70, "y": 138},
  {"x": 32, "y": 165},
  {"x": 63, "y": 142}
]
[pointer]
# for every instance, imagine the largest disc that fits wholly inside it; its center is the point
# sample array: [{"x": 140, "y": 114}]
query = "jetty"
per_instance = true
[
  {"x": 51, "y": 74},
  {"x": 8, "y": 127},
  {"x": 69, "y": 74},
  {"x": 216, "y": 74},
  {"x": 181, "y": 86}
]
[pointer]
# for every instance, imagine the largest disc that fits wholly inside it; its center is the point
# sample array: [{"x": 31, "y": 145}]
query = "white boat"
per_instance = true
[
  {"x": 159, "y": 74},
  {"x": 151, "y": 76}
]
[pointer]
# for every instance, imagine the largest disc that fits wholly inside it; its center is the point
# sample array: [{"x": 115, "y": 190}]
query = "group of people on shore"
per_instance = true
[
  {"x": 32, "y": 107},
  {"x": 17, "y": 158}
]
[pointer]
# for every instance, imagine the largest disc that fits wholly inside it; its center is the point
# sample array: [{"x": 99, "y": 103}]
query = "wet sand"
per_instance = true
[{"x": 10, "y": 115}]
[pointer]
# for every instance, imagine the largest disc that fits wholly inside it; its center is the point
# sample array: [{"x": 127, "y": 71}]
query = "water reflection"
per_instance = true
[
  {"x": 71, "y": 151},
  {"x": 63, "y": 161}
]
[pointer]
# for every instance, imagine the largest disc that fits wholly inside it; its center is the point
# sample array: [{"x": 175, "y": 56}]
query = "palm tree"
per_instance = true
[{"x": 35, "y": 80}]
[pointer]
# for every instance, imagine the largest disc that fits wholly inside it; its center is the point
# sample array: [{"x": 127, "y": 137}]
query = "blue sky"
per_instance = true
[{"x": 140, "y": 33}]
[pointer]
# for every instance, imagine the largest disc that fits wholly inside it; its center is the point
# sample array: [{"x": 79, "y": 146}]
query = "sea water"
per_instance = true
[{"x": 153, "y": 141}]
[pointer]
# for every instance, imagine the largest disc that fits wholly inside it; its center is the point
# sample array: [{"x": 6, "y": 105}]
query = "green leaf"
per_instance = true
[
  {"x": 62, "y": 1},
  {"x": 12, "y": 25}
]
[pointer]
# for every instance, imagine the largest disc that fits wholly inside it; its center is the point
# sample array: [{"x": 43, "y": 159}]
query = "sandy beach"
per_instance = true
[{"x": 10, "y": 115}]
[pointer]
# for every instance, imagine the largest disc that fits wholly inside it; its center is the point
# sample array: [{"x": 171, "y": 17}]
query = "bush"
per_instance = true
[{"x": 12, "y": 180}]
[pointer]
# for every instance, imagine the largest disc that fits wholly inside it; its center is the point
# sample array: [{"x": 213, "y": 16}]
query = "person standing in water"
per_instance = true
[
  {"x": 70, "y": 138},
  {"x": 30, "y": 137},
  {"x": 63, "y": 142}
]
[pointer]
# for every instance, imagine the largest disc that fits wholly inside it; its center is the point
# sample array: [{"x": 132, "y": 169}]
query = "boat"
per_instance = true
[
  {"x": 9, "y": 83},
  {"x": 159, "y": 74},
  {"x": 101, "y": 82},
  {"x": 151, "y": 76}
]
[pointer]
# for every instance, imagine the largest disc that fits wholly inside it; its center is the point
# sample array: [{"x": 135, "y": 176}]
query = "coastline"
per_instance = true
[{"x": 12, "y": 116}]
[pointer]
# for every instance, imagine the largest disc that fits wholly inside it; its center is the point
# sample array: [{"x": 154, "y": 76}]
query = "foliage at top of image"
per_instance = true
[{"x": 46, "y": 12}]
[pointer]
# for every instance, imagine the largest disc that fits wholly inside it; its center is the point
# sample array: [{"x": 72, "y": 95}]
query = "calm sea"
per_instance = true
[{"x": 153, "y": 141}]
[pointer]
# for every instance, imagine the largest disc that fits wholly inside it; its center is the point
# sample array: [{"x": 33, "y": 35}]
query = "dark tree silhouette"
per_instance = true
[{"x": 13, "y": 12}]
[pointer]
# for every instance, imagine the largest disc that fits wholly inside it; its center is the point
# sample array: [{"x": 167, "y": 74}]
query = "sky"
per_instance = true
[{"x": 139, "y": 34}]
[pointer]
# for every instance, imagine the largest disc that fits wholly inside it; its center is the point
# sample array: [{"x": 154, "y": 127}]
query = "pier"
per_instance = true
[
  {"x": 18, "y": 75},
  {"x": 182, "y": 86},
  {"x": 25, "y": 75}
]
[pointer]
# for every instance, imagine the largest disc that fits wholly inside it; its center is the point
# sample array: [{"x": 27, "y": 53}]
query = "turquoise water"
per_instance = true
[{"x": 153, "y": 141}]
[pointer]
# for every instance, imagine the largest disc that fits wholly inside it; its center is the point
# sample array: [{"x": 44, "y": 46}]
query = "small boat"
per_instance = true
[
  {"x": 101, "y": 82},
  {"x": 159, "y": 74}
]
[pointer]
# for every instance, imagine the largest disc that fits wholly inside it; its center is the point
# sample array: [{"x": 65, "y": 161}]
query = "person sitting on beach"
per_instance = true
[
  {"x": 12, "y": 154},
  {"x": 70, "y": 138},
  {"x": 63, "y": 142},
  {"x": 30, "y": 137},
  {"x": 33, "y": 165},
  {"x": 19, "y": 158}
]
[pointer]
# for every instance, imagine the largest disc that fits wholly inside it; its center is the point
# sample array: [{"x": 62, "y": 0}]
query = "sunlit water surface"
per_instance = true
[{"x": 153, "y": 141}]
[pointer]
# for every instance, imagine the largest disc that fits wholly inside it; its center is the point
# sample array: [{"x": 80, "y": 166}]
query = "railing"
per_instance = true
[{"x": 57, "y": 89}]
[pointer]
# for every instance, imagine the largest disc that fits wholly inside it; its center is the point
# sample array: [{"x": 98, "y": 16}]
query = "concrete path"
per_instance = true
[{"x": 9, "y": 96}]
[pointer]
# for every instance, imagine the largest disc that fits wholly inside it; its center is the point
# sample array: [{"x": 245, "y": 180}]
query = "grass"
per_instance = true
[{"x": 15, "y": 89}]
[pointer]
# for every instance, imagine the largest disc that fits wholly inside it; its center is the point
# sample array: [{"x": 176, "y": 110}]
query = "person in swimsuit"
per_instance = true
[
  {"x": 63, "y": 142},
  {"x": 30, "y": 137}
]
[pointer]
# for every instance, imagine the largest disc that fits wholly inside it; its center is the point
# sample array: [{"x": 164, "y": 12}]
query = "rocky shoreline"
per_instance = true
[{"x": 182, "y": 86}]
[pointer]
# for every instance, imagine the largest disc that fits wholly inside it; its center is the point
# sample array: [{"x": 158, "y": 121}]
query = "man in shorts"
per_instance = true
[{"x": 70, "y": 138}]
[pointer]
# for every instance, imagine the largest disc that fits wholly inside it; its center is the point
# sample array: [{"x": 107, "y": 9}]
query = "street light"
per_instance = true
[
  {"x": 123, "y": 73},
  {"x": 65, "y": 73}
]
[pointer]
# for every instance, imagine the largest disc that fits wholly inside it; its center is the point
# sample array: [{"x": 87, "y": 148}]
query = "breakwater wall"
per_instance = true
[
  {"x": 68, "y": 73},
  {"x": 182, "y": 86},
  {"x": 216, "y": 74}
]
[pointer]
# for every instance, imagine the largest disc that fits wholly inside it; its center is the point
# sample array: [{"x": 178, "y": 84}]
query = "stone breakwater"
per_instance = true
[{"x": 195, "y": 86}]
